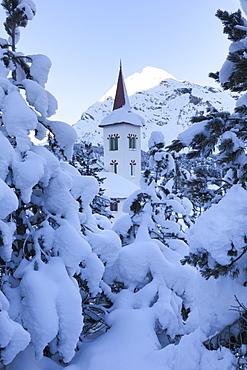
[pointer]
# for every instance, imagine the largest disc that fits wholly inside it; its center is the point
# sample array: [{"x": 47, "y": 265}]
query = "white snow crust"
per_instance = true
[
  {"x": 13, "y": 338},
  {"x": 8, "y": 200},
  {"x": 28, "y": 173},
  {"x": 6, "y": 155},
  {"x": 116, "y": 186},
  {"x": 28, "y": 7},
  {"x": 122, "y": 115},
  {"x": 72, "y": 247},
  {"x": 156, "y": 137},
  {"x": 186, "y": 136},
  {"x": 226, "y": 71},
  {"x": 51, "y": 305},
  {"x": 18, "y": 121},
  {"x": 221, "y": 225},
  {"x": 65, "y": 136},
  {"x": 106, "y": 244},
  {"x": 7, "y": 230},
  {"x": 40, "y": 68},
  {"x": 39, "y": 98}
]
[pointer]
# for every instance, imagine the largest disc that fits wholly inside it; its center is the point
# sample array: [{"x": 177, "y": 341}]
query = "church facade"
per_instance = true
[{"x": 122, "y": 137}]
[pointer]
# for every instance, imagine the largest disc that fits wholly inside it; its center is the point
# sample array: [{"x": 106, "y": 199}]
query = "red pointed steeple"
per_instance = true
[
  {"x": 122, "y": 112},
  {"x": 121, "y": 97}
]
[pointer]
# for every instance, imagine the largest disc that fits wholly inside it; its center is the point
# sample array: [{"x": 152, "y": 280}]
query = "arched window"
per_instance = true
[
  {"x": 113, "y": 141},
  {"x": 114, "y": 165},
  {"x": 132, "y": 168},
  {"x": 132, "y": 141}
]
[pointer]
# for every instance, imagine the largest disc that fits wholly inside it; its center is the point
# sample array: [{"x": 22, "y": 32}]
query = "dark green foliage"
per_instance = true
[
  {"x": 139, "y": 203},
  {"x": 161, "y": 163},
  {"x": 231, "y": 22},
  {"x": 95, "y": 310},
  {"x": 88, "y": 164},
  {"x": 85, "y": 160},
  {"x": 198, "y": 187},
  {"x": 223, "y": 133},
  {"x": 235, "y": 28},
  {"x": 214, "y": 75},
  {"x": 54, "y": 147},
  {"x": 233, "y": 336},
  {"x": 213, "y": 268},
  {"x": 237, "y": 80},
  {"x": 156, "y": 199},
  {"x": 213, "y": 124},
  {"x": 176, "y": 146},
  {"x": 29, "y": 218},
  {"x": 16, "y": 17},
  {"x": 199, "y": 179}
]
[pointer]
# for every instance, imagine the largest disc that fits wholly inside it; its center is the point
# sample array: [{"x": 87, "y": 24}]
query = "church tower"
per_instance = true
[{"x": 122, "y": 137}]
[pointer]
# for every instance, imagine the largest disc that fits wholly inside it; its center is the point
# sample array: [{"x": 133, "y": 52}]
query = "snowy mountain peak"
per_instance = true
[
  {"x": 148, "y": 78},
  {"x": 165, "y": 103}
]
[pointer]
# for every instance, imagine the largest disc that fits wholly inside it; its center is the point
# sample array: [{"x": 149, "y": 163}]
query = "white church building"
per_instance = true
[{"x": 122, "y": 149}]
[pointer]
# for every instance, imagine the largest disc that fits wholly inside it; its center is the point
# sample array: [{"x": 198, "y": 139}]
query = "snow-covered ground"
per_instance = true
[
  {"x": 131, "y": 342},
  {"x": 57, "y": 257}
]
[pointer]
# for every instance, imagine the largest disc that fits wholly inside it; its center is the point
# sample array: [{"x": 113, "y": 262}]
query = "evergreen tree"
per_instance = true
[
  {"x": 232, "y": 74},
  {"x": 223, "y": 134},
  {"x": 87, "y": 163},
  {"x": 169, "y": 210},
  {"x": 52, "y": 252},
  {"x": 200, "y": 180},
  {"x": 161, "y": 163},
  {"x": 85, "y": 160},
  {"x": 185, "y": 177},
  {"x": 218, "y": 240},
  {"x": 148, "y": 270}
]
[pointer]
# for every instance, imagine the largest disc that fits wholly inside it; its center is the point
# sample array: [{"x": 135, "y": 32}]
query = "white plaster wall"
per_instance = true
[{"x": 123, "y": 155}]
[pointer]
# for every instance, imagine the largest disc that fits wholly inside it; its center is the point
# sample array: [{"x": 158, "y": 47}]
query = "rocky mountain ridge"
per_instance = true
[{"x": 165, "y": 103}]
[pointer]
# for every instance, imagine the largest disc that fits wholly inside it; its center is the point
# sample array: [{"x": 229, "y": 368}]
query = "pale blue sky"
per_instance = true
[{"x": 86, "y": 38}]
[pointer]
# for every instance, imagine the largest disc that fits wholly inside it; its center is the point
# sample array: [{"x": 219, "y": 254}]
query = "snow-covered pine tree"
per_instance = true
[
  {"x": 44, "y": 206},
  {"x": 224, "y": 134},
  {"x": 161, "y": 163},
  {"x": 198, "y": 179},
  {"x": 186, "y": 178},
  {"x": 147, "y": 274},
  {"x": 233, "y": 73},
  {"x": 156, "y": 190},
  {"x": 218, "y": 240},
  {"x": 85, "y": 160}
]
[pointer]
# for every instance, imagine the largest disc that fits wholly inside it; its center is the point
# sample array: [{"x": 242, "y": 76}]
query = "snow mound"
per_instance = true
[{"x": 222, "y": 226}]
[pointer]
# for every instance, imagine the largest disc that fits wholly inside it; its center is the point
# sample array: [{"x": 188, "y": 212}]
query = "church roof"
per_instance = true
[
  {"x": 121, "y": 97},
  {"x": 117, "y": 186},
  {"x": 121, "y": 108}
]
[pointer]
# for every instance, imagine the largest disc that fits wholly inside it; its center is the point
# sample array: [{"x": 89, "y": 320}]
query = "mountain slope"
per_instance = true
[{"x": 165, "y": 103}]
